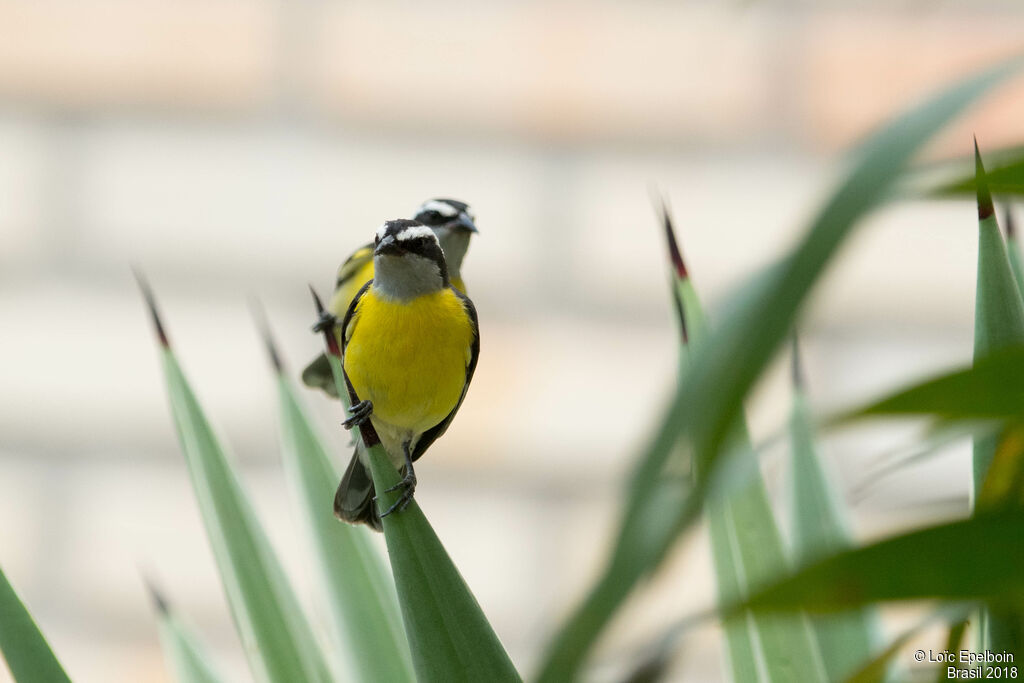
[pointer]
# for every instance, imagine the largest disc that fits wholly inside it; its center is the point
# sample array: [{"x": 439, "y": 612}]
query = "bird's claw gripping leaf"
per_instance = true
[
  {"x": 408, "y": 486},
  {"x": 327, "y": 321},
  {"x": 360, "y": 413}
]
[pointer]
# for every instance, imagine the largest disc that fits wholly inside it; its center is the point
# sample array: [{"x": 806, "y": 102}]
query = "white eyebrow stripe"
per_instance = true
[
  {"x": 381, "y": 231},
  {"x": 446, "y": 210},
  {"x": 413, "y": 232}
]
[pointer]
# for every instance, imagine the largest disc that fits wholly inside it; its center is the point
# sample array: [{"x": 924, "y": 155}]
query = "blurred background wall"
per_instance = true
[{"x": 239, "y": 150}]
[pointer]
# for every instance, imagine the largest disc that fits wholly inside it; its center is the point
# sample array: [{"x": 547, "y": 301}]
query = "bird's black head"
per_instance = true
[
  {"x": 409, "y": 239},
  {"x": 446, "y": 213}
]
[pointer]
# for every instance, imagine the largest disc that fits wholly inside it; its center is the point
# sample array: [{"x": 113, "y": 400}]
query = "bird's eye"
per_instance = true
[{"x": 433, "y": 216}]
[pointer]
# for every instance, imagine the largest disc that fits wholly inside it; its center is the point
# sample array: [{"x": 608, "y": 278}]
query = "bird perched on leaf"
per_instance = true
[
  {"x": 452, "y": 222},
  {"x": 410, "y": 343}
]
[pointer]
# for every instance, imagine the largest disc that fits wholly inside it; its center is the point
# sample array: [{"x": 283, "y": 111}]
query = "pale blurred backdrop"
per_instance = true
[{"x": 240, "y": 150}]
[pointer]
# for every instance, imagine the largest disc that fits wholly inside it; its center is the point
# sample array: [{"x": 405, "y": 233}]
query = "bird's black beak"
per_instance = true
[
  {"x": 388, "y": 246},
  {"x": 464, "y": 222}
]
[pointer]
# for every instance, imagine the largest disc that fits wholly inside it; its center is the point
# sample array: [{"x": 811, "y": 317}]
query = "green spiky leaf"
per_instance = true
[
  {"x": 998, "y": 324},
  {"x": 989, "y": 390},
  {"x": 747, "y": 547},
  {"x": 1013, "y": 249},
  {"x": 877, "y": 668},
  {"x": 185, "y": 656},
  {"x": 22, "y": 644},
  {"x": 360, "y": 595},
  {"x": 845, "y": 640},
  {"x": 707, "y": 403},
  {"x": 1006, "y": 177},
  {"x": 278, "y": 641},
  {"x": 953, "y": 639},
  {"x": 973, "y": 559},
  {"x": 999, "y": 310}
]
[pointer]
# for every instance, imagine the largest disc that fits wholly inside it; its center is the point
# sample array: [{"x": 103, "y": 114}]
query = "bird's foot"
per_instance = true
[
  {"x": 408, "y": 487},
  {"x": 327, "y": 321},
  {"x": 360, "y": 413}
]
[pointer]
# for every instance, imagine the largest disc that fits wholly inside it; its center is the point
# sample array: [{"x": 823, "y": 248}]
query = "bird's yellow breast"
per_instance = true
[{"x": 409, "y": 358}]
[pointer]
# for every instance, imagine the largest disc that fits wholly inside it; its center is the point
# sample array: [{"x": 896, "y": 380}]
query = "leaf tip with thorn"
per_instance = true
[
  {"x": 673, "y": 246},
  {"x": 147, "y": 294},
  {"x": 680, "y": 273},
  {"x": 263, "y": 325},
  {"x": 985, "y": 207},
  {"x": 159, "y": 602}
]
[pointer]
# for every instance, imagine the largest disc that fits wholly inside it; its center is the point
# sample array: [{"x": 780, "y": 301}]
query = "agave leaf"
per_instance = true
[
  {"x": 783, "y": 643},
  {"x": 1005, "y": 178},
  {"x": 361, "y": 599},
  {"x": 954, "y": 177},
  {"x": 876, "y": 670},
  {"x": 449, "y": 635},
  {"x": 1002, "y": 629},
  {"x": 747, "y": 548},
  {"x": 956, "y": 635},
  {"x": 1004, "y": 483},
  {"x": 360, "y": 596},
  {"x": 725, "y": 368},
  {"x": 738, "y": 639},
  {"x": 845, "y": 640},
  {"x": 1013, "y": 249},
  {"x": 743, "y": 660},
  {"x": 989, "y": 390},
  {"x": 709, "y": 400},
  {"x": 23, "y": 646},
  {"x": 998, "y": 324},
  {"x": 985, "y": 565},
  {"x": 277, "y": 638},
  {"x": 999, "y": 310},
  {"x": 817, "y": 518},
  {"x": 186, "y": 658}
]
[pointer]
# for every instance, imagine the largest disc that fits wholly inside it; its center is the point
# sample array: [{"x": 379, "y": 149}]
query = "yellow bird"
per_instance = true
[
  {"x": 453, "y": 223},
  {"x": 410, "y": 343}
]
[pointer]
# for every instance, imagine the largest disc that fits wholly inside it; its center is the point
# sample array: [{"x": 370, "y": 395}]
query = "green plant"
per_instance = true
[
  {"x": 709, "y": 399},
  {"x": 790, "y": 614},
  {"x": 185, "y": 655},
  {"x": 28, "y": 655}
]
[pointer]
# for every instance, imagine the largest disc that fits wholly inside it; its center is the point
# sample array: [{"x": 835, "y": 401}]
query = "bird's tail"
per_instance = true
[
  {"x": 318, "y": 375},
  {"x": 354, "y": 502}
]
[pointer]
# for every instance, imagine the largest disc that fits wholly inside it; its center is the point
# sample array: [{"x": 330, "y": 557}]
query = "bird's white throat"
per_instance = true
[
  {"x": 454, "y": 244},
  {"x": 405, "y": 276}
]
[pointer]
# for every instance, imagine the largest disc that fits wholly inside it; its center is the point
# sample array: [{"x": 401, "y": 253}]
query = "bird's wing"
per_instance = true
[
  {"x": 348, "y": 324},
  {"x": 431, "y": 435},
  {"x": 370, "y": 437},
  {"x": 318, "y": 373},
  {"x": 353, "y": 263}
]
